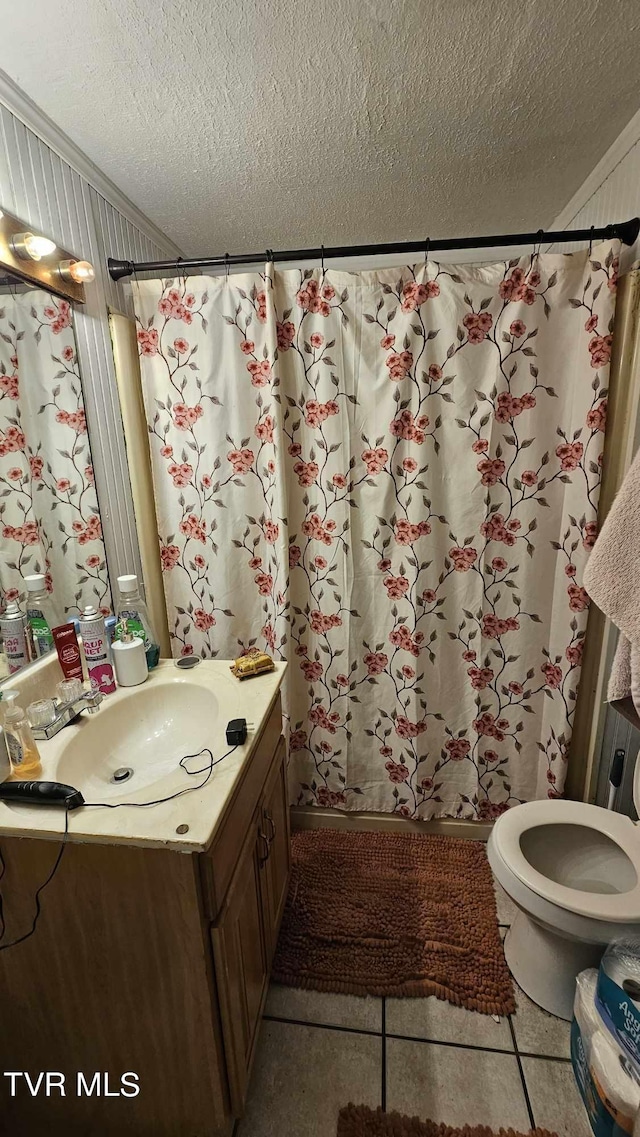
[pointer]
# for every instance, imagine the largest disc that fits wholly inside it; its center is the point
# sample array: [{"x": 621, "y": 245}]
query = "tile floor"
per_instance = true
[{"x": 420, "y": 1056}]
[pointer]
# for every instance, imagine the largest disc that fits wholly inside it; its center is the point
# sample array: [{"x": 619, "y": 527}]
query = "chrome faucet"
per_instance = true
[{"x": 49, "y": 716}]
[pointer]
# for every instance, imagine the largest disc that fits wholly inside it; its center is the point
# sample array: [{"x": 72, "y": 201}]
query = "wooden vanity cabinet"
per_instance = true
[{"x": 147, "y": 960}]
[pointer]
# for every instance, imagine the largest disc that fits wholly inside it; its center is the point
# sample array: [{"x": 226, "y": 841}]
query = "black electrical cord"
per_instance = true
[
  {"x": 109, "y": 805},
  {"x": 189, "y": 789},
  {"x": 21, "y": 939}
]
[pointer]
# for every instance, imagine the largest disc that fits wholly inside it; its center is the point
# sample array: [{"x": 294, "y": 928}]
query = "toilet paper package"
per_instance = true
[
  {"x": 605, "y": 1075},
  {"x": 618, "y": 993}
]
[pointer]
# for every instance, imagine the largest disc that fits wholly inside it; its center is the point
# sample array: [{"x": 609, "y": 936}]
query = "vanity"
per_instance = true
[{"x": 153, "y": 949}]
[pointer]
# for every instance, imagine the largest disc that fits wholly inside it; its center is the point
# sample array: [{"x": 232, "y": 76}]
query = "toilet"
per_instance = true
[{"x": 573, "y": 872}]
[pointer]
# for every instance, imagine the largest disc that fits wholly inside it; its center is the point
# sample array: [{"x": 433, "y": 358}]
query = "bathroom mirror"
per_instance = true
[{"x": 49, "y": 515}]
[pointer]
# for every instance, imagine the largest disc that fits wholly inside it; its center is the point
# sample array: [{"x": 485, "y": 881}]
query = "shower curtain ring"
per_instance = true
[
  {"x": 269, "y": 256},
  {"x": 178, "y": 259},
  {"x": 427, "y": 245},
  {"x": 591, "y": 239},
  {"x": 322, "y": 259},
  {"x": 226, "y": 266}
]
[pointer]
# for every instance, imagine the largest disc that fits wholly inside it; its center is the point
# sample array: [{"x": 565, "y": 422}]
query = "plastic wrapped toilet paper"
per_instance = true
[
  {"x": 612, "y": 1073},
  {"x": 585, "y": 1010},
  {"x": 618, "y": 993},
  {"x": 605, "y": 1074}
]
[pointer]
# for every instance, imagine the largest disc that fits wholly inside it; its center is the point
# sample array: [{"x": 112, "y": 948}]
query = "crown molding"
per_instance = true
[
  {"x": 618, "y": 150},
  {"x": 39, "y": 123}
]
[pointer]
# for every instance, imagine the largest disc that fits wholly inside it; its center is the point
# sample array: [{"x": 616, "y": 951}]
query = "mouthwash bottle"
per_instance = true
[
  {"x": 40, "y": 614},
  {"x": 132, "y": 608}
]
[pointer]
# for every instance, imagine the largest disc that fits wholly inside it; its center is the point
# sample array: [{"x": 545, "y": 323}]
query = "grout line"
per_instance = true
[
  {"x": 322, "y": 1026},
  {"x": 385, "y": 1034},
  {"x": 455, "y": 1045},
  {"x": 544, "y": 1057},
  {"x": 527, "y": 1099},
  {"x": 384, "y": 1053}
]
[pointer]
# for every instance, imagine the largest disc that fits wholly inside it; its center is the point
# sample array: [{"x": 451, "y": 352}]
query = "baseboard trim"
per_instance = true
[{"x": 310, "y": 817}]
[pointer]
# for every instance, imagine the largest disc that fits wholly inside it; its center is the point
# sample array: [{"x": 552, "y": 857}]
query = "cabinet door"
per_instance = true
[
  {"x": 275, "y": 847},
  {"x": 242, "y": 964}
]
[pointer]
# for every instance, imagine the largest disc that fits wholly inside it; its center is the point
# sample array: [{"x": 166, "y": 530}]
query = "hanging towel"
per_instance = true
[{"x": 612, "y": 579}]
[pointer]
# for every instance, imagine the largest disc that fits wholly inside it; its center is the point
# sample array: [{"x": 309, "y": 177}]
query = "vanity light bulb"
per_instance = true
[
  {"x": 81, "y": 272},
  {"x": 30, "y": 246}
]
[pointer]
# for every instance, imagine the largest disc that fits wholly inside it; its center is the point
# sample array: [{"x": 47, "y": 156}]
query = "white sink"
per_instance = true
[
  {"x": 147, "y": 730},
  {"x": 145, "y": 734}
]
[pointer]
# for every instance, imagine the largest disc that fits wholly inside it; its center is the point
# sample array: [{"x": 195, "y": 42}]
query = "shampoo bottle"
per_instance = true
[
  {"x": 23, "y": 752},
  {"x": 132, "y": 608},
  {"x": 39, "y": 614}
]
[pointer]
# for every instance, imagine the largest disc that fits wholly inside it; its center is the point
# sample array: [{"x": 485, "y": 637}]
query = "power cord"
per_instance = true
[
  {"x": 189, "y": 789},
  {"x": 213, "y": 762},
  {"x": 21, "y": 939}
]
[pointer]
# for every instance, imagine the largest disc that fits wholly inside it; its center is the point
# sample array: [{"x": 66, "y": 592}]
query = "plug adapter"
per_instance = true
[{"x": 236, "y": 732}]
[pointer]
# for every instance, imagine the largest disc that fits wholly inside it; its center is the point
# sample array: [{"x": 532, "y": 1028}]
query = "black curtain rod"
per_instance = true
[{"x": 626, "y": 231}]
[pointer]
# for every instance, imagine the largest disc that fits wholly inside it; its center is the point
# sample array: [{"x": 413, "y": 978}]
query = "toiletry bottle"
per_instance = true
[
  {"x": 14, "y": 627},
  {"x": 97, "y": 649},
  {"x": 132, "y": 608},
  {"x": 23, "y": 752},
  {"x": 39, "y": 614},
  {"x": 5, "y": 764},
  {"x": 129, "y": 656}
]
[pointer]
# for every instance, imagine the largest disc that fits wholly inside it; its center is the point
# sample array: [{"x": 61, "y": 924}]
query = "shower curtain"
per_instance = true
[{"x": 390, "y": 480}]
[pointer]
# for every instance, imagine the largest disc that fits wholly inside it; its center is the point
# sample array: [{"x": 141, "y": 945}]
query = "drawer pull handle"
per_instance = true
[
  {"x": 268, "y": 817},
  {"x": 267, "y": 844}
]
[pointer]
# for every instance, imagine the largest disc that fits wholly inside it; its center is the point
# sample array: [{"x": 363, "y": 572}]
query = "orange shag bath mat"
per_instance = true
[
  {"x": 359, "y": 1121},
  {"x": 396, "y": 914}
]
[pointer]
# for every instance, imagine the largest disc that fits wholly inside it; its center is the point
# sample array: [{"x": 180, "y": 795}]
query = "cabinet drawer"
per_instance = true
[{"x": 217, "y": 865}]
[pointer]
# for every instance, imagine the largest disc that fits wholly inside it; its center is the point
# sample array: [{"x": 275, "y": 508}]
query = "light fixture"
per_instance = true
[
  {"x": 81, "y": 272},
  {"x": 30, "y": 246}
]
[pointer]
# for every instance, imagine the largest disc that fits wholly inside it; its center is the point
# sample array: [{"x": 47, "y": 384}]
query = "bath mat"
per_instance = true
[
  {"x": 396, "y": 914},
  {"x": 359, "y": 1121}
]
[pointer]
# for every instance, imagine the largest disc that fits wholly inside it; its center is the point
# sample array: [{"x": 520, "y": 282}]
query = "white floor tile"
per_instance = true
[
  {"x": 304, "y": 1075},
  {"x": 554, "y": 1097},
  {"x": 538, "y": 1032},
  {"x": 321, "y": 1007},
  {"x": 506, "y": 908},
  {"x": 456, "y": 1086},
  {"x": 440, "y": 1021}
]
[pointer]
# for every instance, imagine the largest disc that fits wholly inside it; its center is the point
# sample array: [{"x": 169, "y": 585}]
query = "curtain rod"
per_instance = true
[{"x": 626, "y": 231}]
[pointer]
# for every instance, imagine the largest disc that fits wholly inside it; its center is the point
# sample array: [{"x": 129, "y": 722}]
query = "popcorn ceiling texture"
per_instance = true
[{"x": 240, "y": 125}]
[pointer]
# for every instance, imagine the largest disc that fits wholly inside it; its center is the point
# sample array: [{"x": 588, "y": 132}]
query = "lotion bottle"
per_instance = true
[
  {"x": 24, "y": 755},
  {"x": 129, "y": 657}
]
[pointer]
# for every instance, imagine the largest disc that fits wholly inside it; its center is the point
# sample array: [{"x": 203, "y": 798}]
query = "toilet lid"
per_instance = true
[{"x": 623, "y": 907}]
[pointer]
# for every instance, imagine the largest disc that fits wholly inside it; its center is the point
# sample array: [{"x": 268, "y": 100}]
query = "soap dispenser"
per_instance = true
[
  {"x": 129, "y": 657},
  {"x": 24, "y": 755}
]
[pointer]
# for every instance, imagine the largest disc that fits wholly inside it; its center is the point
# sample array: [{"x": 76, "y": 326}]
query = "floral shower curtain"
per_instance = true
[
  {"x": 389, "y": 479},
  {"x": 49, "y": 517}
]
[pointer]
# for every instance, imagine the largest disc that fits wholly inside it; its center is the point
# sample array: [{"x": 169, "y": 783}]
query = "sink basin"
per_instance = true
[
  {"x": 146, "y": 730},
  {"x": 144, "y": 733}
]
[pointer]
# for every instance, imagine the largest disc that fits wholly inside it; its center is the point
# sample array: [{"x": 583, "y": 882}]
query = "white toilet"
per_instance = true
[{"x": 573, "y": 871}]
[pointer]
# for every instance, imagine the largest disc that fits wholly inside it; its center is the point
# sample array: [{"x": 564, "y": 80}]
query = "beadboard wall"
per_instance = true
[
  {"x": 610, "y": 193},
  {"x": 47, "y": 182}
]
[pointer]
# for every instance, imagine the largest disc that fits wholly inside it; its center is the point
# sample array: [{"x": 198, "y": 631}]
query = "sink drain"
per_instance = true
[{"x": 122, "y": 774}]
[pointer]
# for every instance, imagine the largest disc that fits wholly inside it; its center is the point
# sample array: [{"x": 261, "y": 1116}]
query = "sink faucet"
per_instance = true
[{"x": 49, "y": 716}]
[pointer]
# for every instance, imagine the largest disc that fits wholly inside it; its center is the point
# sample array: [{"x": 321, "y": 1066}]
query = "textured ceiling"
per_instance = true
[{"x": 242, "y": 125}]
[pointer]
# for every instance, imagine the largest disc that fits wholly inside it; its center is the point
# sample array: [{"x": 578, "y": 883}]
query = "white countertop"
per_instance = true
[{"x": 155, "y": 725}]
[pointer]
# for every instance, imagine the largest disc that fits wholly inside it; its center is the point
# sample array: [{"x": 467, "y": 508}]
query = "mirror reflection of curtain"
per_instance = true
[{"x": 49, "y": 516}]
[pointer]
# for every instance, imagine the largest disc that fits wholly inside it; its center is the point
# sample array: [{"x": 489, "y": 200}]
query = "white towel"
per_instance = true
[{"x": 612, "y": 579}]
